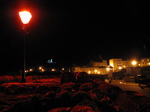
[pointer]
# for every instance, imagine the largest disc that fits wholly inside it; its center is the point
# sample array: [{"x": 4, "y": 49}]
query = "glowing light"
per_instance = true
[
  {"x": 111, "y": 64},
  {"x": 89, "y": 72},
  {"x": 25, "y": 16},
  {"x": 120, "y": 68},
  {"x": 98, "y": 72},
  {"x": 53, "y": 69},
  {"x": 95, "y": 70},
  {"x": 40, "y": 68},
  {"x": 134, "y": 62},
  {"x": 108, "y": 69},
  {"x": 43, "y": 70},
  {"x": 30, "y": 70}
]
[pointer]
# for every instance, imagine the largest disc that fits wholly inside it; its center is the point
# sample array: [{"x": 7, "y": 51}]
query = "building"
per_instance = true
[
  {"x": 119, "y": 64},
  {"x": 116, "y": 64},
  {"x": 95, "y": 66},
  {"x": 144, "y": 62},
  {"x": 93, "y": 70},
  {"x": 132, "y": 68}
]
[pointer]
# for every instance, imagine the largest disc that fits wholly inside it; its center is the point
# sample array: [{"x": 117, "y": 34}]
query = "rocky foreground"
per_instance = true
[{"x": 60, "y": 95}]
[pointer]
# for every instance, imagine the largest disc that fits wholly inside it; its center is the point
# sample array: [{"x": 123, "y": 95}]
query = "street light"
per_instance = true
[
  {"x": 134, "y": 63},
  {"x": 25, "y": 17}
]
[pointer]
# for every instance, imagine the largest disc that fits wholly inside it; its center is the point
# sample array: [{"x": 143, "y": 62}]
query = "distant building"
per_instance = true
[
  {"x": 96, "y": 66},
  {"x": 144, "y": 62},
  {"x": 119, "y": 64},
  {"x": 116, "y": 64},
  {"x": 101, "y": 67},
  {"x": 93, "y": 70}
]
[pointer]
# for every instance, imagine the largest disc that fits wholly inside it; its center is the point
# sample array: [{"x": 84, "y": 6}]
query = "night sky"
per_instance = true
[{"x": 73, "y": 31}]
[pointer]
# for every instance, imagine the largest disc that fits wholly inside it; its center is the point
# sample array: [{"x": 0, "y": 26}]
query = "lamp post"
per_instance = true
[{"x": 25, "y": 17}]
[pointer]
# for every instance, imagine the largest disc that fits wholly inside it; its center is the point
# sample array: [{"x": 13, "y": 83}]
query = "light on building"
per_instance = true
[
  {"x": 108, "y": 69},
  {"x": 120, "y": 68},
  {"x": 134, "y": 62},
  {"x": 89, "y": 72},
  {"x": 121, "y": 82},
  {"x": 111, "y": 64},
  {"x": 95, "y": 71},
  {"x": 98, "y": 72}
]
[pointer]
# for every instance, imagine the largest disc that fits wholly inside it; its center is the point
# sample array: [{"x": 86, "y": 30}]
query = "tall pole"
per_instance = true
[
  {"x": 24, "y": 60},
  {"x": 25, "y": 18}
]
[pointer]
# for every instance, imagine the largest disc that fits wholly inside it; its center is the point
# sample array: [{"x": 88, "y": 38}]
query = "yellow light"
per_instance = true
[
  {"x": 30, "y": 70},
  {"x": 107, "y": 69},
  {"x": 43, "y": 70},
  {"x": 53, "y": 69},
  {"x": 98, "y": 72},
  {"x": 40, "y": 68},
  {"x": 89, "y": 72},
  {"x": 119, "y": 68},
  {"x": 112, "y": 64},
  {"x": 95, "y": 70},
  {"x": 134, "y": 62},
  {"x": 25, "y": 16}
]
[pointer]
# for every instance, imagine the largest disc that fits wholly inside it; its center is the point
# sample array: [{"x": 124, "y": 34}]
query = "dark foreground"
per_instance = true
[
  {"x": 54, "y": 95},
  {"x": 131, "y": 86}
]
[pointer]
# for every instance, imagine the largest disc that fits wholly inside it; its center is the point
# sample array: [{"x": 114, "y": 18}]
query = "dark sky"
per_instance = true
[{"x": 73, "y": 31}]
